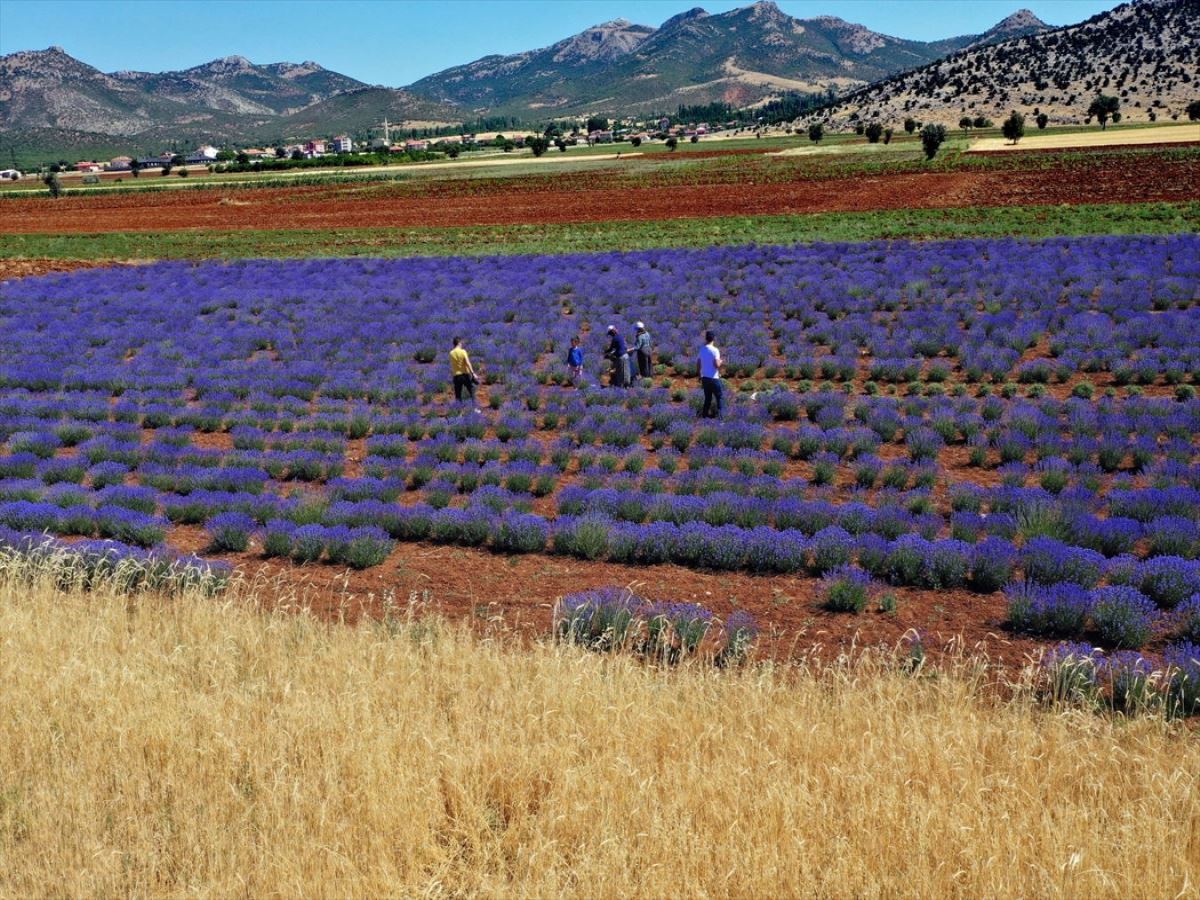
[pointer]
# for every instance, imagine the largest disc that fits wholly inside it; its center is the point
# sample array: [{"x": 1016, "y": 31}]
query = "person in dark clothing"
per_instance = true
[
  {"x": 709, "y": 366},
  {"x": 641, "y": 344},
  {"x": 618, "y": 353}
]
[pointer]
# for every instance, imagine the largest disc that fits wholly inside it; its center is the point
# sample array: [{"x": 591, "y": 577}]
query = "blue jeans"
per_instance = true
[{"x": 712, "y": 397}]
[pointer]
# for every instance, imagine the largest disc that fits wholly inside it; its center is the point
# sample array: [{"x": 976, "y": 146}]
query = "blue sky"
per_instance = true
[{"x": 395, "y": 42}]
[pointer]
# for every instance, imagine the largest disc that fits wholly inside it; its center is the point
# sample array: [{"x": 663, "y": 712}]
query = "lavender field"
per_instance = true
[{"x": 991, "y": 416}]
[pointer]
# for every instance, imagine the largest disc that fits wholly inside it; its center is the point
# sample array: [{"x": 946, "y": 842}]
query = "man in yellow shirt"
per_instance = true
[{"x": 461, "y": 370}]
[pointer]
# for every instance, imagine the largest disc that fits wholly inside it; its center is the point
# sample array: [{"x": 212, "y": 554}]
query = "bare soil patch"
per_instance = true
[
  {"x": 21, "y": 268},
  {"x": 518, "y": 202}
]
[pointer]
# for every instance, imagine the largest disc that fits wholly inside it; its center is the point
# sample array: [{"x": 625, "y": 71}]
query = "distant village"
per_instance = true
[{"x": 593, "y": 131}]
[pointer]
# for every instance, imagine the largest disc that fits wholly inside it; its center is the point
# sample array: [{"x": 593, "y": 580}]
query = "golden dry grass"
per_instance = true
[
  {"x": 201, "y": 747},
  {"x": 1116, "y": 137}
]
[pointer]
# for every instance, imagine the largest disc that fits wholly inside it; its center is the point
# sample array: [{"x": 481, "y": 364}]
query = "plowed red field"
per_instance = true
[{"x": 611, "y": 197}]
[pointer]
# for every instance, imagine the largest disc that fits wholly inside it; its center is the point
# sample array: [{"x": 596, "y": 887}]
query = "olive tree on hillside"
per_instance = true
[
  {"x": 874, "y": 133},
  {"x": 910, "y": 125},
  {"x": 816, "y": 131},
  {"x": 1193, "y": 111},
  {"x": 965, "y": 123},
  {"x": 1042, "y": 121}
]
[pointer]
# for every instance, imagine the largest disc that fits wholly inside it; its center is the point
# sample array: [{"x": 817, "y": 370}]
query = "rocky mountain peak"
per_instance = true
[
  {"x": 1022, "y": 18},
  {"x": 604, "y": 42}
]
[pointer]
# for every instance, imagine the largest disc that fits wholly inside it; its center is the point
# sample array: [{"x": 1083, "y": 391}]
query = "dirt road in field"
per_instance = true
[{"x": 542, "y": 200}]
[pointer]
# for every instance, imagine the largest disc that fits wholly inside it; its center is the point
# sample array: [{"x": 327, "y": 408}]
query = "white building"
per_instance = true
[{"x": 342, "y": 144}]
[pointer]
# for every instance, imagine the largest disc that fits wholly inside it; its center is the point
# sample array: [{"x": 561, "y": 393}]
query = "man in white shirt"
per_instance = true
[{"x": 710, "y": 376}]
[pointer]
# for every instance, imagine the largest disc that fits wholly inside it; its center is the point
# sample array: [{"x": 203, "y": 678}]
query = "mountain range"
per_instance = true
[
  {"x": 742, "y": 57},
  {"x": 739, "y": 57}
]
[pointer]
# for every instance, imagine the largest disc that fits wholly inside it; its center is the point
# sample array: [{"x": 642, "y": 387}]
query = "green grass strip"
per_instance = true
[{"x": 921, "y": 224}]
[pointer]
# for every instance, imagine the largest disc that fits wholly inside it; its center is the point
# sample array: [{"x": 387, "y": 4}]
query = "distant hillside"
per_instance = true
[
  {"x": 1146, "y": 53},
  {"x": 739, "y": 57},
  {"x": 234, "y": 84},
  {"x": 52, "y": 105}
]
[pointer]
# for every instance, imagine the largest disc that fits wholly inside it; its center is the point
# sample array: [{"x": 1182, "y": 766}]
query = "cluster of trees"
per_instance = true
[{"x": 787, "y": 108}]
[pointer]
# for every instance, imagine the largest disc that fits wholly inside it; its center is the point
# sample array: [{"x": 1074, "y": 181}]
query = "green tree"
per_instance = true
[
  {"x": 965, "y": 123},
  {"x": 887, "y": 135},
  {"x": 135, "y": 166},
  {"x": 1103, "y": 108},
  {"x": 597, "y": 123},
  {"x": 983, "y": 122},
  {"x": 560, "y": 144},
  {"x": 243, "y": 158},
  {"x": 932, "y": 137},
  {"x": 1042, "y": 121},
  {"x": 874, "y": 132},
  {"x": 1014, "y": 127},
  {"x": 672, "y": 142},
  {"x": 636, "y": 140},
  {"x": 538, "y": 145},
  {"x": 910, "y": 125},
  {"x": 53, "y": 185},
  {"x": 1193, "y": 111},
  {"x": 816, "y": 131}
]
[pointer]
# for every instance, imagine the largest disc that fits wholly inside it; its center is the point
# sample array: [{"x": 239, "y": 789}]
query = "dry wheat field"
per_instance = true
[{"x": 186, "y": 746}]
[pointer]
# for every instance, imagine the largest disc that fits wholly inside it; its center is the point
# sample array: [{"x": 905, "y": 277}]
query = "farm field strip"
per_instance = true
[
  {"x": 912, "y": 409},
  {"x": 1167, "y": 134},
  {"x": 22, "y": 250},
  {"x": 747, "y": 186}
]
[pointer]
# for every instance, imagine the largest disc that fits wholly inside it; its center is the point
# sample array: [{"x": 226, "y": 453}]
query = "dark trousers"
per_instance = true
[
  {"x": 620, "y": 371},
  {"x": 712, "y": 397},
  {"x": 463, "y": 383},
  {"x": 643, "y": 361}
]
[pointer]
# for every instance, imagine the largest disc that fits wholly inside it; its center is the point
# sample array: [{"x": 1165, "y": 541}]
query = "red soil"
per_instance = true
[
  {"x": 602, "y": 198},
  {"x": 519, "y": 592},
  {"x": 22, "y": 268}
]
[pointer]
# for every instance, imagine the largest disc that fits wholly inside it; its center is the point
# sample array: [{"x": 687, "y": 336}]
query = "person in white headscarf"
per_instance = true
[{"x": 641, "y": 345}]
